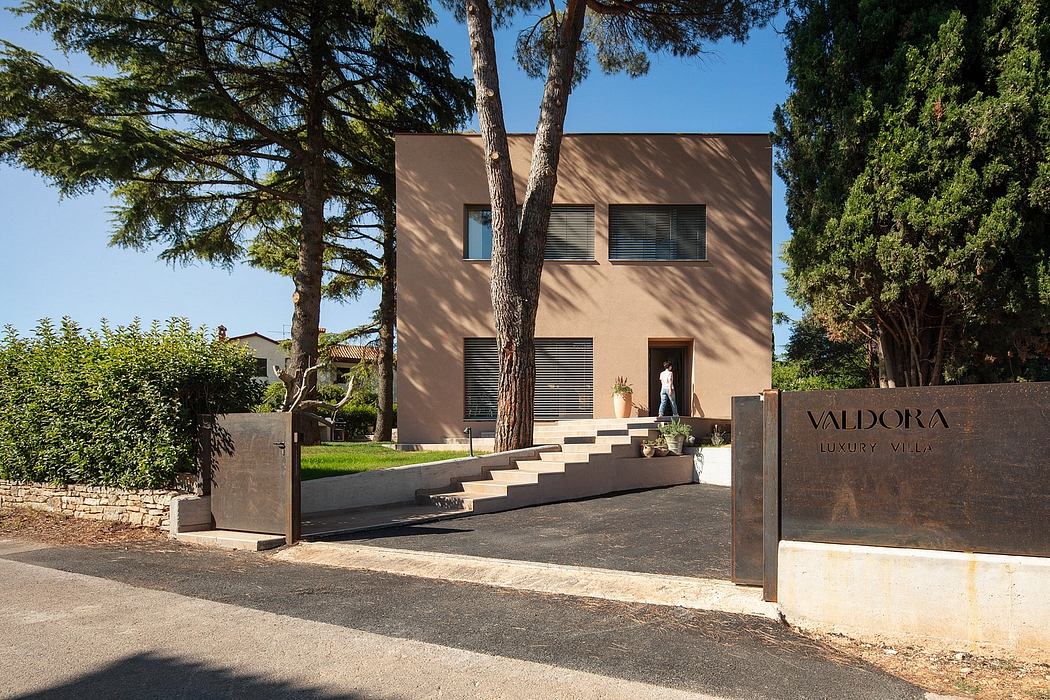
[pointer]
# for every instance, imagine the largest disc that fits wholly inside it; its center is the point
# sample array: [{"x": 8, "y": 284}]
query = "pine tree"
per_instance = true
[{"x": 210, "y": 116}]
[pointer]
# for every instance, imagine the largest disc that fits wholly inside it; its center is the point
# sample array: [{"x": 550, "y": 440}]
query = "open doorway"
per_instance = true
[{"x": 678, "y": 353}]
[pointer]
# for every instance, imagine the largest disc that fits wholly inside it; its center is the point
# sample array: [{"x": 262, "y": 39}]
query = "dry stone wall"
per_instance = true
[{"x": 145, "y": 507}]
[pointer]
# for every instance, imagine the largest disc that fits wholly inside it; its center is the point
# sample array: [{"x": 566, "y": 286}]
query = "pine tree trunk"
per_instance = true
[
  {"x": 387, "y": 321},
  {"x": 517, "y": 252},
  {"x": 306, "y": 306},
  {"x": 308, "y": 277}
]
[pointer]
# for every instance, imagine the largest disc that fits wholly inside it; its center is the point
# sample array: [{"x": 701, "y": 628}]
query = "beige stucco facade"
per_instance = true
[{"x": 720, "y": 308}]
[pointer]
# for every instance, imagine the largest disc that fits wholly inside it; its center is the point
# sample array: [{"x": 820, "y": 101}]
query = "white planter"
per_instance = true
[{"x": 713, "y": 465}]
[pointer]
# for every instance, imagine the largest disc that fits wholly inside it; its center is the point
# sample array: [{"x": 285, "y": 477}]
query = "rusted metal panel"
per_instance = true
[
  {"x": 963, "y": 468},
  {"x": 253, "y": 460},
  {"x": 771, "y": 464},
  {"x": 747, "y": 491}
]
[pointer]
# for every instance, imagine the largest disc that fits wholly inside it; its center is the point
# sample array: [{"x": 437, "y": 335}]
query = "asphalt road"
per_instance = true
[
  {"x": 680, "y": 531},
  {"x": 143, "y": 622}
]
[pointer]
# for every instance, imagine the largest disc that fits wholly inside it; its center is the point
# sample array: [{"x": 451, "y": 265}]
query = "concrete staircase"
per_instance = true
[{"x": 596, "y": 457}]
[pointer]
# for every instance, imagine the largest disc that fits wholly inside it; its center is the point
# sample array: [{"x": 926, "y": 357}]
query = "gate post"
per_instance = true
[
  {"x": 746, "y": 531},
  {"x": 770, "y": 492},
  {"x": 293, "y": 523}
]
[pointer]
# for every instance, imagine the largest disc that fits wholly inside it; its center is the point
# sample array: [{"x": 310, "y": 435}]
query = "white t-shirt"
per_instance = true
[{"x": 666, "y": 379}]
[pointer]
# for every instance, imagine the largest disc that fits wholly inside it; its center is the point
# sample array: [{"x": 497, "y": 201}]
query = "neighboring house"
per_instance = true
[
  {"x": 659, "y": 248},
  {"x": 269, "y": 353}
]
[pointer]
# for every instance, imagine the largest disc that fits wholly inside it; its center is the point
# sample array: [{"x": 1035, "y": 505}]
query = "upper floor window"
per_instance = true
[
  {"x": 570, "y": 233},
  {"x": 262, "y": 368},
  {"x": 657, "y": 232}
]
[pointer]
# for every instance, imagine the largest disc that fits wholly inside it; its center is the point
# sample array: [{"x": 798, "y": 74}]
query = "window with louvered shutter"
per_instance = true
[
  {"x": 657, "y": 232},
  {"x": 570, "y": 233},
  {"x": 481, "y": 372},
  {"x": 564, "y": 378}
]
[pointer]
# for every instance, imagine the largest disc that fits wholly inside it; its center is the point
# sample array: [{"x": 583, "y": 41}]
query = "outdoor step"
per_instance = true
[
  {"x": 486, "y": 488},
  {"x": 633, "y": 432},
  {"x": 592, "y": 435},
  {"x": 588, "y": 448},
  {"x": 613, "y": 440},
  {"x": 556, "y": 434},
  {"x": 514, "y": 476},
  {"x": 460, "y": 500},
  {"x": 577, "y": 440},
  {"x": 564, "y": 457},
  {"x": 541, "y": 466},
  {"x": 597, "y": 423}
]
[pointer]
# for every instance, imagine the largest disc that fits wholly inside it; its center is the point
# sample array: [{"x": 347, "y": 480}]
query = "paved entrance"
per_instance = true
[{"x": 678, "y": 531}]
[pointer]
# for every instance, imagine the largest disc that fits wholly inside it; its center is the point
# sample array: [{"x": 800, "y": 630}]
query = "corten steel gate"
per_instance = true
[
  {"x": 747, "y": 491},
  {"x": 252, "y": 463},
  {"x": 950, "y": 468}
]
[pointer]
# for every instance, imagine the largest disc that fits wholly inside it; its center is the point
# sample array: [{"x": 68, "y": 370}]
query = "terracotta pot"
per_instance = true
[
  {"x": 648, "y": 450},
  {"x": 623, "y": 404}
]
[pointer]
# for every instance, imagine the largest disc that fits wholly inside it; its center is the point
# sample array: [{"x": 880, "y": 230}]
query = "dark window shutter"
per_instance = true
[
  {"x": 570, "y": 234},
  {"x": 564, "y": 378},
  {"x": 657, "y": 232},
  {"x": 481, "y": 372}
]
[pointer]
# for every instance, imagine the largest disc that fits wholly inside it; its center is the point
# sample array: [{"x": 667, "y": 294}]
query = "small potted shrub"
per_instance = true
[
  {"x": 623, "y": 398},
  {"x": 675, "y": 433},
  {"x": 652, "y": 447},
  {"x": 718, "y": 437}
]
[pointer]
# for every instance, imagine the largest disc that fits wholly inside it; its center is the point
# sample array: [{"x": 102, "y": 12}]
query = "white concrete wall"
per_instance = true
[
  {"x": 190, "y": 514},
  {"x": 963, "y": 600},
  {"x": 399, "y": 484},
  {"x": 714, "y": 465}
]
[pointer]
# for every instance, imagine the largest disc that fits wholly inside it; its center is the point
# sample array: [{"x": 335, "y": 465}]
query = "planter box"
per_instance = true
[{"x": 713, "y": 465}]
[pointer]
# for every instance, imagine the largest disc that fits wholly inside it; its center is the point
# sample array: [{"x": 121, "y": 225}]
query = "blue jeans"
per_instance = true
[{"x": 666, "y": 398}]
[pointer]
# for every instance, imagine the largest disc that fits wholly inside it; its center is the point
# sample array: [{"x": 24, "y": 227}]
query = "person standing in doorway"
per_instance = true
[{"x": 667, "y": 392}]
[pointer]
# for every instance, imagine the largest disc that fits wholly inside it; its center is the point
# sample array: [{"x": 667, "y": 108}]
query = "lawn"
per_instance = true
[{"x": 338, "y": 458}]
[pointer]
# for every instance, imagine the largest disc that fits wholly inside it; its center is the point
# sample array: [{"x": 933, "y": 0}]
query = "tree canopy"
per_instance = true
[
  {"x": 812, "y": 360},
  {"x": 214, "y": 120},
  {"x": 915, "y": 146}
]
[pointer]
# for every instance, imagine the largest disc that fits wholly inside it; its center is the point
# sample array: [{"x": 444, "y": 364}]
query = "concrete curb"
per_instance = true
[{"x": 624, "y": 586}]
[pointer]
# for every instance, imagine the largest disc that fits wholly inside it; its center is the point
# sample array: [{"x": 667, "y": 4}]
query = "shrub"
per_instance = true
[
  {"x": 360, "y": 420},
  {"x": 359, "y": 415},
  {"x": 272, "y": 398},
  {"x": 116, "y": 407}
]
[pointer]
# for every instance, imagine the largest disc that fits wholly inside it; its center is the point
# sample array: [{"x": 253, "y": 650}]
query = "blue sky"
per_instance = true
[{"x": 57, "y": 261}]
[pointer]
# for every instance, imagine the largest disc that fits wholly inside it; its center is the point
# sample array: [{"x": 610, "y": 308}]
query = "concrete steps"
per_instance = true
[{"x": 580, "y": 468}]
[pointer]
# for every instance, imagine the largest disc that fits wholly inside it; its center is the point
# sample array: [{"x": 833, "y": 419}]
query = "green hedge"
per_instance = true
[{"x": 116, "y": 407}]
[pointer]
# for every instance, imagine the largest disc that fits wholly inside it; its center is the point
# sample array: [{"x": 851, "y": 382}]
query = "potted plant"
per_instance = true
[
  {"x": 623, "y": 398},
  {"x": 675, "y": 433},
  {"x": 650, "y": 447},
  {"x": 718, "y": 437}
]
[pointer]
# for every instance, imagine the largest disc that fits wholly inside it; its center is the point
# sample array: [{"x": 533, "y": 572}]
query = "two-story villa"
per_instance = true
[{"x": 659, "y": 249}]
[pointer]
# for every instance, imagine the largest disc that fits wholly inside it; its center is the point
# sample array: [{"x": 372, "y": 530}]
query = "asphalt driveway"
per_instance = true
[{"x": 679, "y": 531}]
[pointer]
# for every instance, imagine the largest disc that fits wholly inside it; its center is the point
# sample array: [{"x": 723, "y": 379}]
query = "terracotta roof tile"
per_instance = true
[{"x": 350, "y": 353}]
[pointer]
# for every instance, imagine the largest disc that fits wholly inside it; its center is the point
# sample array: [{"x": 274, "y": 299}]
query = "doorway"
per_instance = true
[{"x": 678, "y": 353}]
